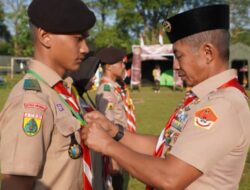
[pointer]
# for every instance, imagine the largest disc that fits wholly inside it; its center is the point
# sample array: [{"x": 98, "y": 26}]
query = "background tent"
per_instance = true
[
  {"x": 144, "y": 59},
  {"x": 240, "y": 60}
]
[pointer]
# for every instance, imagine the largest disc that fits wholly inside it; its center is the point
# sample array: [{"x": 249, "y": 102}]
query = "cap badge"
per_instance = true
[{"x": 166, "y": 26}]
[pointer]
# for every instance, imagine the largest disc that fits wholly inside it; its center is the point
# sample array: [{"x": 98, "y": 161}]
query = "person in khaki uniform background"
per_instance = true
[
  {"x": 205, "y": 142},
  {"x": 39, "y": 136},
  {"x": 110, "y": 102},
  {"x": 157, "y": 78}
]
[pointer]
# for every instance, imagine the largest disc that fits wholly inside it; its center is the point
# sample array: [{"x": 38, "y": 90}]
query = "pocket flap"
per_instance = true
[{"x": 67, "y": 125}]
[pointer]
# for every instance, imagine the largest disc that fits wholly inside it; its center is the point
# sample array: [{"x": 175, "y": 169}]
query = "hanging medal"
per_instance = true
[{"x": 75, "y": 149}]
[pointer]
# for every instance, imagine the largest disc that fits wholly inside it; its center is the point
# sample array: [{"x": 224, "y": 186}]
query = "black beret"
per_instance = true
[
  {"x": 110, "y": 55},
  {"x": 197, "y": 20},
  {"x": 61, "y": 16}
]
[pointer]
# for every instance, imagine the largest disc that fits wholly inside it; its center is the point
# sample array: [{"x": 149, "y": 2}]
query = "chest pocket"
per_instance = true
[{"x": 64, "y": 127}]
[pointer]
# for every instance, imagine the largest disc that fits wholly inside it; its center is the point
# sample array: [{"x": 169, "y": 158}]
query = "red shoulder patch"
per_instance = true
[{"x": 205, "y": 118}]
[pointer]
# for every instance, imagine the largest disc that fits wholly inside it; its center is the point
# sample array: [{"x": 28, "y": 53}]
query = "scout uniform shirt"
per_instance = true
[
  {"x": 35, "y": 126},
  {"x": 110, "y": 103},
  {"x": 216, "y": 133}
]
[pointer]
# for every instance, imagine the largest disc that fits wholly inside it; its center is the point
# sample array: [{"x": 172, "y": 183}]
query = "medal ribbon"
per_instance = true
[
  {"x": 70, "y": 102},
  {"x": 160, "y": 144}
]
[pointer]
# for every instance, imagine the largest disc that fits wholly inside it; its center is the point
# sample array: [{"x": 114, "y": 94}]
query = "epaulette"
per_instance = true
[
  {"x": 31, "y": 84},
  {"x": 106, "y": 87}
]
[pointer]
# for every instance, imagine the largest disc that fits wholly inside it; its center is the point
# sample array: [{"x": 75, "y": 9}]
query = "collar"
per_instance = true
[
  {"x": 213, "y": 83},
  {"x": 113, "y": 83},
  {"x": 48, "y": 74}
]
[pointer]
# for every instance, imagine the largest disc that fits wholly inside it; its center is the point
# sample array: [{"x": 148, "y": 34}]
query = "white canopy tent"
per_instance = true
[{"x": 149, "y": 52}]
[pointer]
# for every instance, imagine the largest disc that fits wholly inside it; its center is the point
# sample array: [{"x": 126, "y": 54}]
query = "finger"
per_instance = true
[{"x": 90, "y": 116}]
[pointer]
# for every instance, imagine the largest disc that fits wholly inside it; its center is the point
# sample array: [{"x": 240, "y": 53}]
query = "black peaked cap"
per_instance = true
[
  {"x": 110, "y": 55},
  {"x": 197, "y": 20},
  {"x": 61, "y": 16}
]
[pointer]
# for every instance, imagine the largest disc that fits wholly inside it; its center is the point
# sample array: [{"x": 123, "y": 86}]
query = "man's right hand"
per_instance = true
[
  {"x": 96, "y": 138},
  {"x": 102, "y": 121}
]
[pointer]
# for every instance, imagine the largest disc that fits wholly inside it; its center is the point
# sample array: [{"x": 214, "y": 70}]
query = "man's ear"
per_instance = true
[
  {"x": 44, "y": 37},
  {"x": 108, "y": 67},
  {"x": 209, "y": 52}
]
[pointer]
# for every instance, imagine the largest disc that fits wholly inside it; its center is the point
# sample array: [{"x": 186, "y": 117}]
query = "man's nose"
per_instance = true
[
  {"x": 176, "y": 65},
  {"x": 84, "y": 47}
]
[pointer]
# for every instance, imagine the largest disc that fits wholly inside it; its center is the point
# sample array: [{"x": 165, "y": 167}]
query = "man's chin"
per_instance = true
[
  {"x": 74, "y": 68},
  {"x": 188, "y": 83}
]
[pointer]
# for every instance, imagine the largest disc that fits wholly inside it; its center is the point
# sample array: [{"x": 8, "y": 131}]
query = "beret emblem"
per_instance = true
[{"x": 167, "y": 26}]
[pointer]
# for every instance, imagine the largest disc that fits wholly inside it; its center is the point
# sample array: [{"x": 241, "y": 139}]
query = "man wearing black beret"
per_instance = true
[
  {"x": 113, "y": 101},
  {"x": 205, "y": 142},
  {"x": 41, "y": 121}
]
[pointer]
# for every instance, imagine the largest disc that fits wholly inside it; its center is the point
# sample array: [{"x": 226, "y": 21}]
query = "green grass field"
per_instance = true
[{"x": 152, "y": 112}]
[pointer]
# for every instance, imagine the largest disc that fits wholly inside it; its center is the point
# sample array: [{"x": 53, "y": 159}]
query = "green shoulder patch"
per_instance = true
[
  {"x": 31, "y": 84},
  {"x": 106, "y": 87}
]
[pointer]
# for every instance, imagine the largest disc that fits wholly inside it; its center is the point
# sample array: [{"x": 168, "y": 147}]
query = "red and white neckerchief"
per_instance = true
[
  {"x": 128, "y": 106},
  {"x": 70, "y": 98},
  {"x": 189, "y": 98}
]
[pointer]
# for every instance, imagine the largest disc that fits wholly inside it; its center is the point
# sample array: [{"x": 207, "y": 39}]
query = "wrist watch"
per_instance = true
[{"x": 120, "y": 132}]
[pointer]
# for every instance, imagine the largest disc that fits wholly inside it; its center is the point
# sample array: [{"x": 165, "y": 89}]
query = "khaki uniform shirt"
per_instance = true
[
  {"x": 43, "y": 154},
  {"x": 110, "y": 102},
  {"x": 216, "y": 146}
]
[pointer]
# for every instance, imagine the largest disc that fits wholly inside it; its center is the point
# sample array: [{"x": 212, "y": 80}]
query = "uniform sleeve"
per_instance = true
[
  {"x": 27, "y": 123},
  {"x": 203, "y": 143},
  {"x": 107, "y": 103}
]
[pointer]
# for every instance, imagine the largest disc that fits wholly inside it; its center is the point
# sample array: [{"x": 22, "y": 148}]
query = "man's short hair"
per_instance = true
[{"x": 219, "y": 38}]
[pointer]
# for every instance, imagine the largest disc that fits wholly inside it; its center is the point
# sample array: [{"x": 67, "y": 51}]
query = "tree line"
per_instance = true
[{"x": 120, "y": 23}]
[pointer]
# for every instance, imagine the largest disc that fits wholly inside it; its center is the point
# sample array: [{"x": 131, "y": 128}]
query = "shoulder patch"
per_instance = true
[
  {"x": 31, "y": 84},
  {"x": 106, "y": 87},
  {"x": 205, "y": 118},
  {"x": 31, "y": 123}
]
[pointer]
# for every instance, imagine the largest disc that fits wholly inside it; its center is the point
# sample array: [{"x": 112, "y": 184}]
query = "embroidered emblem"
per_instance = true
[
  {"x": 110, "y": 106},
  {"x": 167, "y": 26},
  {"x": 106, "y": 87},
  {"x": 31, "y": 84},
  {"x": 176, "y": 127},
  {"x": 59, "y": 107},
  {"x": 31, "y": 123},
  {"x": 175, "y": 137},
  {"x": 205, "y": 118},
  {"x": 35, "y": 106}
]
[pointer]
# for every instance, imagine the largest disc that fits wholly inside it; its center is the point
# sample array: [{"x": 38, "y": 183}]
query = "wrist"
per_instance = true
[
  {"x": 118, "y": 133},
  {"x": 113, "y": 130}
]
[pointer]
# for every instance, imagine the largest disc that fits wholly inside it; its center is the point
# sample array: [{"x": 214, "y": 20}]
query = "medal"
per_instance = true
[{"x": 75, "y": 150}]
